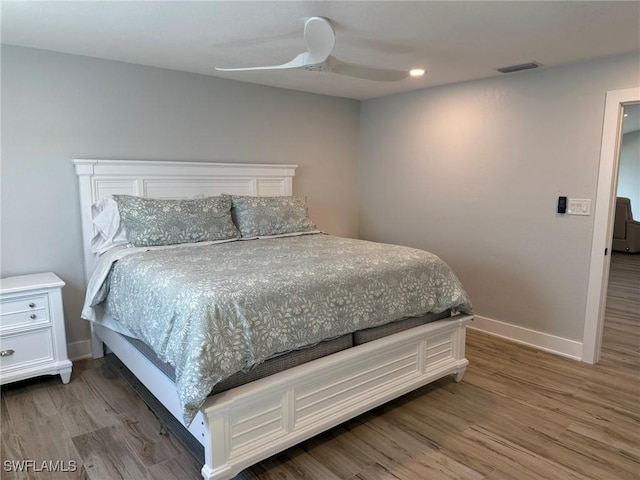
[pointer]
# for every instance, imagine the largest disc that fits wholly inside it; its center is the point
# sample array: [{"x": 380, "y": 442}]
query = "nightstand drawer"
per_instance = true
[
  {"x": 33, "y": 318},
  {"x": 21, "y": 349},
  {"x": 23, "y": 304}
]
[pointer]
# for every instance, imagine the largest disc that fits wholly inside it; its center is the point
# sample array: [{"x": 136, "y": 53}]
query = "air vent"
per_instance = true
[{"x": 519, "y": 68}]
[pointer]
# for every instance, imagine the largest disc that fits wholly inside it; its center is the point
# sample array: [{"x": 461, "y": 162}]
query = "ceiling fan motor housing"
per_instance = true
[{"x": 320, "y": 67}]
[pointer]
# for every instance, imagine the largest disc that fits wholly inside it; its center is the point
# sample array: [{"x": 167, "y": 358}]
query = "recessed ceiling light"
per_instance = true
[
  {"x": 626, "y": 114},
  {"x": 416, "y": 72}
]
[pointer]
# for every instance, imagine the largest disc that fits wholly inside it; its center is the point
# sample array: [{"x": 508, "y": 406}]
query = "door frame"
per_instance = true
[{"x": 603, "y": 220}]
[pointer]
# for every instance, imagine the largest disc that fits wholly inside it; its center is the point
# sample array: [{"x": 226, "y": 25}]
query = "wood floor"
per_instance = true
[{"x": 518, "y": 414}]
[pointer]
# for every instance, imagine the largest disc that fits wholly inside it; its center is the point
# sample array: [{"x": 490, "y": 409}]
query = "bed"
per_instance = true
[{"x": 250, "y": 422}]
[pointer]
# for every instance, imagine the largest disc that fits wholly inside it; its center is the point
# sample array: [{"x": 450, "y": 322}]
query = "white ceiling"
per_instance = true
[{"x": 455, "y": 41}]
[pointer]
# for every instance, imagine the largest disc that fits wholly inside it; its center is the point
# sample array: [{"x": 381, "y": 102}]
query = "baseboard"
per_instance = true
[
  {"x": 79, "y": 350},
  {"x": 543, "y": 341},
  {"x": 540, "y": 340}
]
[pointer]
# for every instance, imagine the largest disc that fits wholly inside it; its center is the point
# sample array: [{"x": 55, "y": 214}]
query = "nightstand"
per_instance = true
[{"x": 32, "y": 334}]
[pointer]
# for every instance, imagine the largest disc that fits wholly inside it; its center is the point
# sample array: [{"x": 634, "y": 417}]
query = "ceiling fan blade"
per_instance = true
[
  {"x": 320, "y": 39},
  {"x": 368, "y": 73},
  {"x": 301, "y": 60}
]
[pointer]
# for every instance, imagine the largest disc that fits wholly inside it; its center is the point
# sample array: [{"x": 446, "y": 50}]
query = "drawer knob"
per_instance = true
[
  {"x": 6, "y": 353},
  {"x": 33, "y": 316},
  {"x": 32, "y": 305}
]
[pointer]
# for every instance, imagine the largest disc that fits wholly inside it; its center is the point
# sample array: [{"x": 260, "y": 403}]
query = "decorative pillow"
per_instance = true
[
  {"x": 265, "y": 216},
  {"x": 153, "y": 221}
]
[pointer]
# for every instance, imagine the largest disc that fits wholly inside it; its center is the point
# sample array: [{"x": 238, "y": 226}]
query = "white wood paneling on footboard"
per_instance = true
[
  {"x": 329, "y": 395},
  {"x": 257, "y": 420},
  {"x": 439, "y": 349}
]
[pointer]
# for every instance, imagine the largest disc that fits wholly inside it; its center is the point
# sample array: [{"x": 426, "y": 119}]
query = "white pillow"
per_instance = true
[{"x": 106, "y": 219}]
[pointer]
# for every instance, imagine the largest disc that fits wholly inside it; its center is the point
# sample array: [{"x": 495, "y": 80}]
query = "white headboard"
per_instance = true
[{"x": 163, "y": 179}]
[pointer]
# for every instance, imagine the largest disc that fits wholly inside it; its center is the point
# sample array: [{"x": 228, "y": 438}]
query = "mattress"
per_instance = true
[{"x": 292, "y": 359}]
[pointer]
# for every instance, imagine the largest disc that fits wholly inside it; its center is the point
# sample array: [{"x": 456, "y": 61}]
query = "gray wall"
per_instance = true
[
  {"x": 629, "y": 171},
  {"x": 56, "y": 107},
  {"x": 472, "y": 173}
]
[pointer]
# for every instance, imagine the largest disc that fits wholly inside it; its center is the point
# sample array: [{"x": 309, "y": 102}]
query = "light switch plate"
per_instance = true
[{"x": 578, "y": 206}]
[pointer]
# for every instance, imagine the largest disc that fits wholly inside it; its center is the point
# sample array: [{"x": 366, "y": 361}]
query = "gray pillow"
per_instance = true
[
  {"x": 265, "y": 216},
  {"x": 154, "y": 221}
]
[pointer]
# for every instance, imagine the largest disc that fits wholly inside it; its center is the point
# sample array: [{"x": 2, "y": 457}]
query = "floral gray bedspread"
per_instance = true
[{"x": 211, "y": 311}]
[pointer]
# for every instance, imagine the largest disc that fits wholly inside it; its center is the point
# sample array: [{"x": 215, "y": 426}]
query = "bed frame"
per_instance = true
[{"x": 247, "y": 424}]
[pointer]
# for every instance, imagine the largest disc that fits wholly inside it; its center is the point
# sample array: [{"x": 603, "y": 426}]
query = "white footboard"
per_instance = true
[
  {"x": 255, "y": 421},
  {"x": 252, "y": 422}
]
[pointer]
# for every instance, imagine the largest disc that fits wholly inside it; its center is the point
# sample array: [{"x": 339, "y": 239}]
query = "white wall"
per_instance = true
[
  {"x": 472, "y": 172},
  {"x": 629, "y": 171},
  {"x": 56, "y": 107}
]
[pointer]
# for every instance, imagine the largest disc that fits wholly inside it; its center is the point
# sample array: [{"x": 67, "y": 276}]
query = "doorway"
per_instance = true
[{"x": 603, "y": 220}]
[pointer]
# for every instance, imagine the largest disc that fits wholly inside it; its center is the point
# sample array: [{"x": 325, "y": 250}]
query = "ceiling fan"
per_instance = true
[{"x": 320, "y": 39}]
